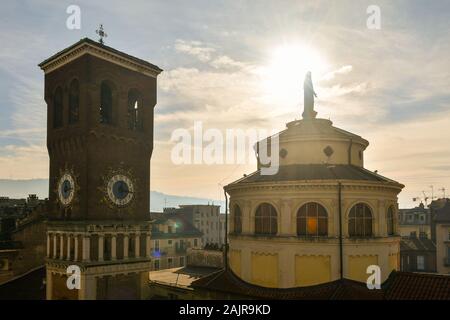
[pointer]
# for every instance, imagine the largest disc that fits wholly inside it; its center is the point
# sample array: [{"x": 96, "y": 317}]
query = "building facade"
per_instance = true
[
  {"x": 100, "y": 139},
  {"x": 414, "y": 222},
  {"x": 417, "y": 254},
  {"x": 207, "y": 219},
  {"x": 321, "y": 217},
  {"x": 441, "y": 229},
  {"x": 172, "y": 236}
]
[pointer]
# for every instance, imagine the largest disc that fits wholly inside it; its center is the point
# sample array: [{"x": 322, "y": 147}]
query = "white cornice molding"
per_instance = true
[{"x": 313, "y": 185}]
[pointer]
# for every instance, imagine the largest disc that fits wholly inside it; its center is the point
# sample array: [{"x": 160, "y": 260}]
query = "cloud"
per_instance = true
[
  {"x": 331, "y": 75},
  {"x": 23, "y": 162},
  {"x": 226, "y": 62},
  {"x": 194, "y": 48}
]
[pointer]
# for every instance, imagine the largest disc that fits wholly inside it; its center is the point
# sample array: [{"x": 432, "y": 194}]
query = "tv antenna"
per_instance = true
[{"x": 443, "y": 191}]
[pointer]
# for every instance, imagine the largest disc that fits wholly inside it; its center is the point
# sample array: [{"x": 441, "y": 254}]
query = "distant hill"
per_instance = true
[{"x": 158, "y": 200}]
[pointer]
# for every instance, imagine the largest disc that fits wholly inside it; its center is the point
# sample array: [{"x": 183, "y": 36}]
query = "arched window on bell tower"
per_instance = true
[
  {"x": 58, "y": 108},
  {"x": 74, "y": 102},
  {"x": 134, "y": 110},
  {"x": 106, "y": 103}
]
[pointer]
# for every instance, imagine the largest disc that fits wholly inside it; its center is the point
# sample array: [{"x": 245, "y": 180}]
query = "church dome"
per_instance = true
[
  {"x": 320, "y": 216},
  {"x": 317, "y": 141}
]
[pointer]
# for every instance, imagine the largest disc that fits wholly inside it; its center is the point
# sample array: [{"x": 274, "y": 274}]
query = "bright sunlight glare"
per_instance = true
[{"x": 285, "y": 72}]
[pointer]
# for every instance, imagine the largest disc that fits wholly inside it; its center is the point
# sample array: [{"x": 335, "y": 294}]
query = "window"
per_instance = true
[
  {"x": 169, "y": 229},
  {"x": 58, "y": 108},
  {"x": 181, "y": 261},
  {"x": 74, "y": 102},
  {"x": 390, "y": 221},
  {"x": 156, "y": 264},
  {"x": 266, "y": 219},
  {"x": 169, "y": 242},
  {"x": 169, "y": 262},
  {"x": 360, "y": 221},
  {"x": 237, "y": 219},
  {"x": 156, "y": 245},
  {"x": 106, "y": 103},
  {"x": 195, "y": 242},
  {"x": 312, "y": 220},
  {"x": 420, "y": 263},
  {"x": 134, "y": 110}
]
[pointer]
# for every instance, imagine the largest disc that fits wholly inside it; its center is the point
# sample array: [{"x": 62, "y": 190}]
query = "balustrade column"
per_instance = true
[
  {"x": 113, "y": 247},
  {"x": 68, "y": 247},
  {"x": 125, "y": 246},
  {"x": 86, "y": 248},
  {"x": 101, "y": 242},
  {"x": 137, "y": 245},
  {"x": 49, "y": 239},
  {"x": 55, "y": 246},
  {"x": 75, "y": 240},
  {"x": 147, "y": 245},
  {"x": 61, "y": 246}
]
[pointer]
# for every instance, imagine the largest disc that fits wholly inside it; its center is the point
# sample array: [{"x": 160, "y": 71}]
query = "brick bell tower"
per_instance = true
[{"x": 100, "y": 139}]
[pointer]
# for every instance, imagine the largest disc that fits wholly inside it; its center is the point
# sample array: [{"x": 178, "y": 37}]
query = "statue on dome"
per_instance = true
[{"x": 309, "y": 94}]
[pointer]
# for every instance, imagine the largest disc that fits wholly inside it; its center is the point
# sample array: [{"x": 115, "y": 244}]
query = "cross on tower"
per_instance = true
[{"x": 101, "y": 33}]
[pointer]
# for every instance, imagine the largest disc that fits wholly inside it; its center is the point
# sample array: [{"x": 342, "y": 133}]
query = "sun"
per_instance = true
[{"x": 286, "y": 69}]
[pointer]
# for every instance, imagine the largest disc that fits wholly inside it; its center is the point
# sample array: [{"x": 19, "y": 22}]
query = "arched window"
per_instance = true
[
  {"x": 360, "y": 221},
  {"x": 134, "y": 110},
  {"x": 390, "y": 221},
  {"x": 58, "y": 108},
  {"x": 312, "y": 220},
  {"x": 106, "y": 101},
  {"x": 74, "y": 102},
  {"x": 237, "y": 219},
  {"x": 266, "y": 219}
]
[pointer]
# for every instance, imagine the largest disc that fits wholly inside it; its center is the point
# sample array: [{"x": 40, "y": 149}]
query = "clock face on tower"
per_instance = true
[
  {"x": 120, "y": 189},
  {"x": 66, "y": 189}
]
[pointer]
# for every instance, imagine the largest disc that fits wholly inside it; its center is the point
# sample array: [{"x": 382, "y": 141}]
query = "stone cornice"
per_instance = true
[
  {"x": 103, "y": 53},
  {"x": 347, "y": 185}
]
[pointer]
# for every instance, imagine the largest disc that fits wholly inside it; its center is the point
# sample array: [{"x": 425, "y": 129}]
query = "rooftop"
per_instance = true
[
  {"x": 88, "y": 46},
  {"x": 399, "y": 286},
  {"x": 443, "y": 213},
  {"x": 308, "y": 172},
  {"x": 416, "y": 244},
  {"x": 180, "y": 277}
]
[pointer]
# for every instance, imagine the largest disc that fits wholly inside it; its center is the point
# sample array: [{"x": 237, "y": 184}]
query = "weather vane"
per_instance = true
[{"x": 101, "y": 33}]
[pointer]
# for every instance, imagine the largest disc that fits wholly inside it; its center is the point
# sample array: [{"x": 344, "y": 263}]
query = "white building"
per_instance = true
[{"x": 206, "y": 218}]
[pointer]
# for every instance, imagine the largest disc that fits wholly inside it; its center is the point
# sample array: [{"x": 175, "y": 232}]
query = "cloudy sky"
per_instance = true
[{"x": 240, "y": 64}]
